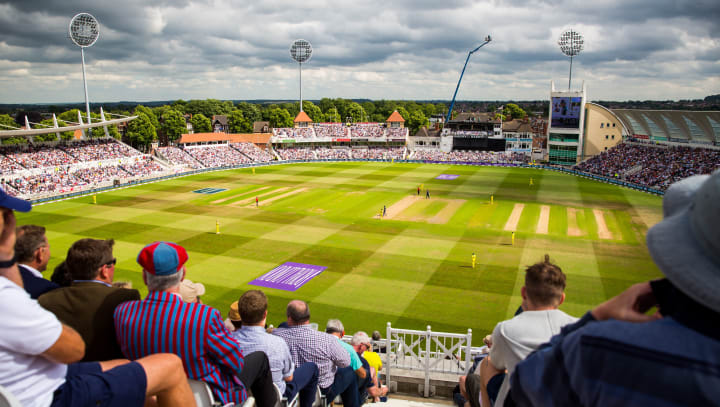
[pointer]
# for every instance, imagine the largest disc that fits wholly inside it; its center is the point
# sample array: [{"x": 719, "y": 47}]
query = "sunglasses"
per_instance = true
[{"x": 111, "y": 262}]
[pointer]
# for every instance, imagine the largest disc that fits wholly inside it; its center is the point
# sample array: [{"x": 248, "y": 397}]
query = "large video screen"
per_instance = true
[{"x": 566, "y": 112}]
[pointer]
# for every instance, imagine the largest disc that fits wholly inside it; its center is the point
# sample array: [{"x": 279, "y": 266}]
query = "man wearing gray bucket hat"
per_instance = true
[{"x": 617, "y": 354}]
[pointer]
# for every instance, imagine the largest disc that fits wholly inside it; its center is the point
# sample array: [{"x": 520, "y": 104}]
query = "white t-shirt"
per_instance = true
[
  {"x": 26, "y": 331},
  {"x": 513, "y": 340}
]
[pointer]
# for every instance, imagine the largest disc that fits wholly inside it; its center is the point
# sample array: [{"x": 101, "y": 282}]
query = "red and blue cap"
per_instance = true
[
  {"x": 162, "y": 258},
  {"x": 16, "y": 204}
]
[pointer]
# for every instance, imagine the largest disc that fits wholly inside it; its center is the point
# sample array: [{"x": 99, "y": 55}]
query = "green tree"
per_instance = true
[
  {"x": 416, "y": 120},
  {"x": 179, "y": 105},
  {"x": 369, "y": 108},
  {"x": 404, "y": 113},
  {"x": 149, "y": 113},
  {"x": 280, "y": 118},
  {"x": 313, "y": 111},
  {"x": 332, "y": 115},
  {"x": 238, "y": 123},
  {"x": 141, "y": 131},
  {"x": 250, "y": 112},
  {"x": 173, "y": 125},
  {"x": 7, "y": 122},
  {"x": 65, "y": 135},
  {"x": 70, "y": 116},
  {"x": 356, "y": 112},
  {"x": 511, "y": 109},
  {"x": 201, "y": 124}
]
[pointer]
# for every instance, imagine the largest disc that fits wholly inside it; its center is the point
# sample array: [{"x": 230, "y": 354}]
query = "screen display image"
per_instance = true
[{"x": 566, "y": 112}]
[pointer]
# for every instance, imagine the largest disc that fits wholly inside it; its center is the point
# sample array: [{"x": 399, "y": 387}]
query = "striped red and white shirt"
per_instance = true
[{"x": 163, "y": 323}]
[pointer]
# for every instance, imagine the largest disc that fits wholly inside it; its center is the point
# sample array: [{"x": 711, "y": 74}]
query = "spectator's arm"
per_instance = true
[
  {"x": 69, "y": 347},
  {"x": 361, "y": 373},
  {"x": 223, "y": 349}
]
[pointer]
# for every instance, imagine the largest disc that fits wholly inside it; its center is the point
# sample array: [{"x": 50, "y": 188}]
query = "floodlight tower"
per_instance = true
[
  {"x": 571, "y": 43},
  {"x": 84, "y": 31},
  {"x": 301, "y": 51},
  {"x": 449, "y": 113}
]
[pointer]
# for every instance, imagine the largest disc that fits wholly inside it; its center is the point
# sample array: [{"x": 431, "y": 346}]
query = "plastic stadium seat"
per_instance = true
[
  {"x": 204, "y": 397},
  {"x": 283, "y": 401},
  {"x": 7, "y": 399}
]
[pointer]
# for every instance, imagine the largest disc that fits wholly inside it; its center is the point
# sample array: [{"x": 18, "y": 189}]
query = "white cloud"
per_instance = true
[{"x": 235, "y": 49}]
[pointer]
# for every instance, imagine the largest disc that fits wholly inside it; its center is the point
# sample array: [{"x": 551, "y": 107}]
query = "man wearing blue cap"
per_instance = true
[
  {"x": 163, "y": 322},
  {"x": 38, "y": 353},
  {"x": 617, "y": 354}
]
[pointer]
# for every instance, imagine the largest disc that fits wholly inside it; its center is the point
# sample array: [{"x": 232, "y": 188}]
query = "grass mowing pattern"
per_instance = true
[{"x": 410, "y": 273}]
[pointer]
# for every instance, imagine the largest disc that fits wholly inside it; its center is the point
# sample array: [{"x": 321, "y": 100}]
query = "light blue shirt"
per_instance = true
[
  {"x": 354, "y": 358},
  {"x": 256, "y": 339}
]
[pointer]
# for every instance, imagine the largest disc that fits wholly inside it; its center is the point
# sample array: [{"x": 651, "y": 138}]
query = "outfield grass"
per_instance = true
[{"x": 410, "y": 273}]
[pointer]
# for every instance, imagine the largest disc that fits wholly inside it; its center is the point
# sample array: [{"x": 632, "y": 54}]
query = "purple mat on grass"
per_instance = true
[
  {"x": 288, "y": 276},
  {"x": 447, "y": 176}
]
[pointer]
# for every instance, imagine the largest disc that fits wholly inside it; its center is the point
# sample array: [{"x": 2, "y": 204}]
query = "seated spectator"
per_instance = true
[
  {"x": 309, "y": 345},
  {"x": 618, "y": 354},
  {"x": 33, "y": 254},
  {"x": 162, "y": 322},
  {"x": 88, "y": 304},
  {"x": 38, "y": 352},
  {"x": 61, "y": 276},
  {"x": 122, "y": 284},
  {"x": 372, "y": 388},
  {"x": 233, "y": 321},
  {"x": 514, "y": 339},
  {"x": 252, "y": 337},
  {"x": 335, "y": 328},
  {"x": 191, "y": 292}
]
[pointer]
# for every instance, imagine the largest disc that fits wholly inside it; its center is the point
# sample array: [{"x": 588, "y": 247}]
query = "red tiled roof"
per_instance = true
[
  {"x": 395, "y": 117},
  {"x": 302, "y": 117}
]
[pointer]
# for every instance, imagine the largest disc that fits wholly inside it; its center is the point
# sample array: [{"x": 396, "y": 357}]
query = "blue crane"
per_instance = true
[{"x": 449, "y": 113}]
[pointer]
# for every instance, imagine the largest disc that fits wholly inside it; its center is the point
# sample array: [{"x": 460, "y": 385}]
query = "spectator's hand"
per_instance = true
[
  {"x": 629, "y": 305},
  {"x": 487, "y": 340},
  {"x": 7, "y": 234}
]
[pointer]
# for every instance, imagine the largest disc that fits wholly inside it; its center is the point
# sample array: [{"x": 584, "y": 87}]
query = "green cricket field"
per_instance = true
[{"x": 411, "y": 267}]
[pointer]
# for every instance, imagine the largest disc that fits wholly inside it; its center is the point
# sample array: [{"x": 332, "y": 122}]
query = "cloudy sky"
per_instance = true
[{"x": 400, "y": 49}]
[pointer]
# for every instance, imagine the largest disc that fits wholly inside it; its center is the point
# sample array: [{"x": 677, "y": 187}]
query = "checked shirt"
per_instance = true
[
  {"x": 255, "y": 339},
  {"x": 308, "y": 345}
]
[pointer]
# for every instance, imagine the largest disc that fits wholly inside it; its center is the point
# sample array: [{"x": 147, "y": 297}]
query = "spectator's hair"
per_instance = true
[
  {"x": 360, "y": 338},
  {"x": 376, "y": 336},
  {"x": 29, "y": 239},
  {"x": 544, "y": 283},
  {"x": 298, "y": 311},
  {"x": 61, "y": 276},
  {"x": 86, "y": 256},
  {"x": 237, "y": 324},
  {"x": 252, "y": 306},
  {"x": 162, "y": 283},
  {"x": 334, "y": 325}
]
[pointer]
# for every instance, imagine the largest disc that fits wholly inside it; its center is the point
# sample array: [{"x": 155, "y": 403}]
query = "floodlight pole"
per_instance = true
[
  {"x": 570, "y": 77},
  {"x": 449, "y": 113},
  {"x": 87, "y": 103},
  {"x": 300, "y": 65}
]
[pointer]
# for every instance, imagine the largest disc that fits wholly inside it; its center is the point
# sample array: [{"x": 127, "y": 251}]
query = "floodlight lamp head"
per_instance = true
[
  {"x": 488, "y": 38},
  {"x": 301, "y": 51},
  {"x": 571, "y": 43},
  {"x": 84, "y": 30}
]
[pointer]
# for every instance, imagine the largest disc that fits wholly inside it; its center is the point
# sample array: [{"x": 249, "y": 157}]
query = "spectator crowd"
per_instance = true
[{"x": 652, "y": 166}]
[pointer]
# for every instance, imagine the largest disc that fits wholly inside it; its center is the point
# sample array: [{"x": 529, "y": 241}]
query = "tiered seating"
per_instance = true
[
  {"x": 254, "y": 152},
  {"x": 396, "y": 132},
  {"x": 143, "y": 166},
  {"x": 218, "y": 156},
  {"x": 99, "y": 150},
  {"x": 293, "y": 133},
  {"x": 376, "y": 153},
  {"x": 367, "y": 131},
  {"x": 332, "y": 153},
  {"x": 177, "y": 156},
  {"x": 304, "y": 153},
  {"x": 660, "y": 166},
  {"x": 337, "y": 130},
  {"x": 469, "y": 156},
  {"x": 42, "y": 156}
]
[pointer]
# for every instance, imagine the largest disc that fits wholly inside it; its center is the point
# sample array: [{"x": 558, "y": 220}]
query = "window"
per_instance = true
[
  {"x": 613, "y": 137},
  {"x": 613, "y": 124},
  {"x": 605, "y": 148},
  {"x": 606, "y": 137},
  {"x": 601, "y": 125}
]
